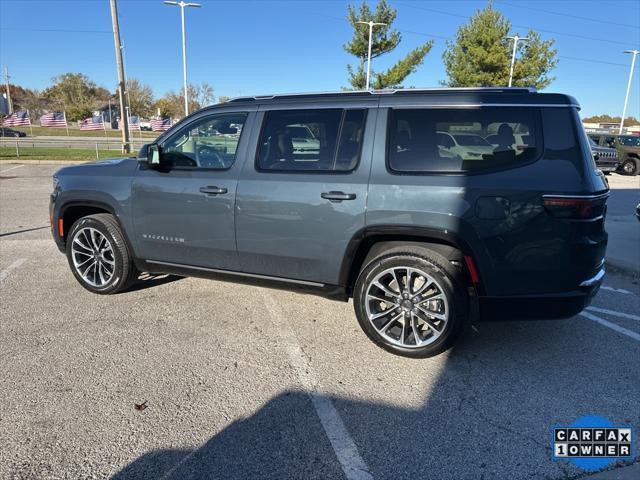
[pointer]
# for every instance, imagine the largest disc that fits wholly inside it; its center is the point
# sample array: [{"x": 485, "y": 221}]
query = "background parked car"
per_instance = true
[
  {"x": 10, "y": 132},
  {"x": 606, "y": 158},
  {"x": 628, "y": 147}
]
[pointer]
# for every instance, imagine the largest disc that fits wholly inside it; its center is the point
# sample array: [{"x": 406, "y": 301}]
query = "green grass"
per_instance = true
[
  {"x": 28, "y": 153},
  {"x": 75, "y": 132}
]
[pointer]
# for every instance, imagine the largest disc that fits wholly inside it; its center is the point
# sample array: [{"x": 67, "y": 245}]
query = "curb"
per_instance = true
[{"x": 617, "y": 266}]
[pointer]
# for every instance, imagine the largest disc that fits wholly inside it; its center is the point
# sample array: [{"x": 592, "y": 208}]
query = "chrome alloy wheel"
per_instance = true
[
  {"x": 407, "y": 307},
  {"x": 93, "y": 257}
]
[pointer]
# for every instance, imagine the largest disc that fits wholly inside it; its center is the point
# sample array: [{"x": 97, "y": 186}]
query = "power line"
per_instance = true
[
  {"x": 582, "y": 37},
  {"x": 570, "y": 15}
]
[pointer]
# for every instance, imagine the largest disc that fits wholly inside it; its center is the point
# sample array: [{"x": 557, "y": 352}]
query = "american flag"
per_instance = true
[
  {"x": 160, "y": 124},
  {"x": 134, "y": 123},
  {"x": 16, "y": 119},
  {"x": 92, "y": 123},
  {"x": 54, "y": 120}
]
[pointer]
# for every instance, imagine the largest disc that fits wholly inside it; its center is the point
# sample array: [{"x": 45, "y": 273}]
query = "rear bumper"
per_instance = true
[{"x": 541, "y": 307}]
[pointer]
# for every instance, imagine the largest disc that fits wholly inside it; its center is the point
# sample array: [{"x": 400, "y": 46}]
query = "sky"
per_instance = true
[{"x": 259, "y": 47}]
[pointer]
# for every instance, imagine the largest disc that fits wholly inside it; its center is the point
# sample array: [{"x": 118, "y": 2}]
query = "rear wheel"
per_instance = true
[
  {"x": 98, "y": 255},
  {"x": 409, "y": 304}
]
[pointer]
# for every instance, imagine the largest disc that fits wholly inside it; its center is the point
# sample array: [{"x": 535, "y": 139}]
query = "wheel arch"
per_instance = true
[
  {"x": 73, "y": 210},
  {"x": 372, "y": 241}
]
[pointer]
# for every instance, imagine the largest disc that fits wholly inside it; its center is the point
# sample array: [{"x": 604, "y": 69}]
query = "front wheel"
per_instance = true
[
  {"x": 629, "y": 167},
  {"x": 98, "y": 255},
  {"x": 409, "y": 304}
]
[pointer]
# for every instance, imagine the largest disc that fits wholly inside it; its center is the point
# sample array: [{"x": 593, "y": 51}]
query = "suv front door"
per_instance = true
[
  {"x": 183, "y": 210},
  {"x": 303, "y": 199}
]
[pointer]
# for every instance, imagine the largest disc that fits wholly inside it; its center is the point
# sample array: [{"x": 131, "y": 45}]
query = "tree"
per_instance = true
[
  {"x": 31, "y": 100},
  {"x": 223, "y": 98},
  {"x": 172, "y": 104},
  {"x": 140, "y": 98},
  {"x": 604, "y": 118},
  {"x": 384, "y": 40},
  {"x": 76, "y": 94},
  {"x": 480, "y": 55}
]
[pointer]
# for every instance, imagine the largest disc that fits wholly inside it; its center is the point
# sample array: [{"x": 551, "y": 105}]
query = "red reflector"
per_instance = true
[
  {"x": 472, "y": 269},
  {"x": 60, "y": 228}
]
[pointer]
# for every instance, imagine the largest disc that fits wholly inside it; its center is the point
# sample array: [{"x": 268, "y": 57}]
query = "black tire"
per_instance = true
[
  {"x": 124, "y": 270},
  {"x": 438, "y": 268},
  {"x": 629, "y": 167}
]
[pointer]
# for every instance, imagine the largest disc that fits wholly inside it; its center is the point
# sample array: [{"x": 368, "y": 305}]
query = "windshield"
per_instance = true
[{"x": 471, "y": 141}]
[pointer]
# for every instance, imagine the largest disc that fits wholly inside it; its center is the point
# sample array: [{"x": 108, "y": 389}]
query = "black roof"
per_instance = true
[{"x": 431, "y": 96}]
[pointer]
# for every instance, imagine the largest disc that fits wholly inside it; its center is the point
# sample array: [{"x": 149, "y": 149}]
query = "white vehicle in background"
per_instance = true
[
  {"x": 145, "y": 125},
  {"x": 467, "y": 146}
]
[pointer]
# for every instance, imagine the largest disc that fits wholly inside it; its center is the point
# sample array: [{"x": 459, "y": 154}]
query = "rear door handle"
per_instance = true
[
  {"x": 213, "y": 190},
  {"x": 338, "y": 196}
]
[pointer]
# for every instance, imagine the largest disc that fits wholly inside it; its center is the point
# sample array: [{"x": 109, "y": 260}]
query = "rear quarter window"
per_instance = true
[{"x": 462, "y": 140}]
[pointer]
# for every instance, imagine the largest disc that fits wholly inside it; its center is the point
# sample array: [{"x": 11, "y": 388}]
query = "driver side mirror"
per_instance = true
[{"x": 153, "y": 155}]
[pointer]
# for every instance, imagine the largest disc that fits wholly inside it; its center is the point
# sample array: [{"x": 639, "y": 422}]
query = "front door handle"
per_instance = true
[
  {"x": 213, "y": 190},
  {"x": 338, "y": 196}
]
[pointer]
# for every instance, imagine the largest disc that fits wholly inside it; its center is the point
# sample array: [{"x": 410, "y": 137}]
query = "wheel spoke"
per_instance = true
[
  {"x": 100, "y": 269},
  {"x": 389, "y": 322},
  {"x": 415, "y": 329},
  {"x": 383, "y": 313},
  {"x": 76, "y": 241},
  {"x": 386, "y": 290},
  {"x": 429, "y": 321},
  {"x": 397, "y": 279},
  {"x": 378, "y": 298},
  {"x": 439, "y": 316}
]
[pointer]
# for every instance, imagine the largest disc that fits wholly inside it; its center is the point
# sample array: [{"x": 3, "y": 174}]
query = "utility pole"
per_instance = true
[
  {"x": 626, "y": 97},
  {"x": 126, "y": 145},
  {"x": 516, "y": 38},
  {"x": 371, "y": 25},
  {"x": 6, "y": 82},
  {"x": 182, "y": 4}
]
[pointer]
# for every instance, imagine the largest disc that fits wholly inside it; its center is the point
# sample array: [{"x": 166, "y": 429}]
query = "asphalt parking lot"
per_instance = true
[{"x": 243, "y": 382}]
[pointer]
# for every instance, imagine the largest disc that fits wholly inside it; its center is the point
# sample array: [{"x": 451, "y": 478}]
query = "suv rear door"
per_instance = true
[
  {"x": 302, "y": 199},
  {"x": 183, "y": 212}
]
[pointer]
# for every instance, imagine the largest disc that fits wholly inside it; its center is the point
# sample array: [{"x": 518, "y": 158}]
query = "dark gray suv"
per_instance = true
[{"x": 432, "y": 209}]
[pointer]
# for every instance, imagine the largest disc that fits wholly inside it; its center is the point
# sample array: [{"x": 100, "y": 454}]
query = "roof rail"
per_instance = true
[{"x": 386, "y": 91}]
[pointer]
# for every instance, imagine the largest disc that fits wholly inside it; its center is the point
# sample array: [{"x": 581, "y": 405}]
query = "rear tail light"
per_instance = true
[{"x": 575, "y": 206}]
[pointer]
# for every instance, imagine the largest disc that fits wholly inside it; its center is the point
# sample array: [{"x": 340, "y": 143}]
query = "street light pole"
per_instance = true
[
  {"x": 371, "y": 25},
  {"x": 182, "y": 4},
  {"x": 626, "y": 97},
  {"x": 516, "y": 38}
]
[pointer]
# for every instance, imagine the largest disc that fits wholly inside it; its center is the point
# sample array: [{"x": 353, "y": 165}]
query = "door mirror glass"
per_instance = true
[{"x": 153, "y": 155}]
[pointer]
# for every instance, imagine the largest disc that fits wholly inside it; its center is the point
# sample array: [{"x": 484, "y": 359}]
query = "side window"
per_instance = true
[
  {"x": 311, "y": 140},
  {"x": 455, "y": 140},
  {"x": 209, "y": 142}
]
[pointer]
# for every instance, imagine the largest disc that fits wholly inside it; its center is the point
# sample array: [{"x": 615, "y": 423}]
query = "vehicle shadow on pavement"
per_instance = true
[
  {"x": 488, "y": 415},
  {"x": 150, "y": 280}
]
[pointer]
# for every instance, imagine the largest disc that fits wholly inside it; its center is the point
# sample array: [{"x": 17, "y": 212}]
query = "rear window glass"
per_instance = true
[
  {"x": 311, "y": 140},
  {"x": 456, "y": 140}
]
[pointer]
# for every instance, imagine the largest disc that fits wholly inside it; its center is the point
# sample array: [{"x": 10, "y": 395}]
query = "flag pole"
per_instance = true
[
  {"x": 30, "y": 126},
  {"x": 104, "y": 127},
  {"x": 64, "y": 114}
]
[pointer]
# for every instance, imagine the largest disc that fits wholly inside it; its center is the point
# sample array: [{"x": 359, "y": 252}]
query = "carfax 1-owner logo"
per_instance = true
[{"x": 593, "y": 442}]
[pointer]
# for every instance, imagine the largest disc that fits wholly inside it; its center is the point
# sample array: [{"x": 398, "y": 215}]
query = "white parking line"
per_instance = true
[
  {"x": 612, "y": 326},
  {"x": 12, "y": 168},
  {"x": 343, "y": 445},
  {"x": 614, "y": 313},
  {"x": 5, "y": 273},
  {"x": 617, "y": 290}
]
